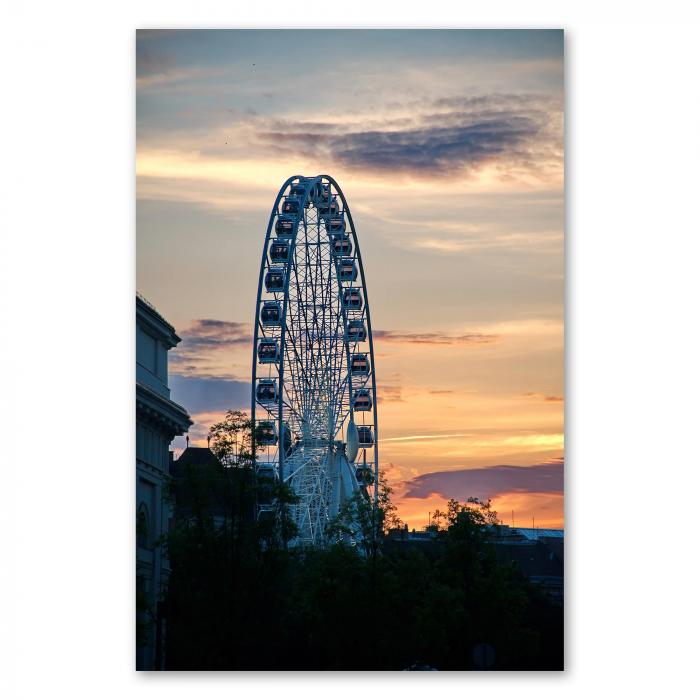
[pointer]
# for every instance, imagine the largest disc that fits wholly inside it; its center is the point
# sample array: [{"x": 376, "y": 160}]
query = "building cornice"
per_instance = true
[
  {"x": 158, "y": 409},
  {"x": 149, "y": 316}
]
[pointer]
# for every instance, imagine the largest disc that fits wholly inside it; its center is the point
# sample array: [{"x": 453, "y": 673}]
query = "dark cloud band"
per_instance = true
[
  {"x": 461, "y": 134},
  {"x": 488, "y": 482},
  {"x": 203, "y": 337}
]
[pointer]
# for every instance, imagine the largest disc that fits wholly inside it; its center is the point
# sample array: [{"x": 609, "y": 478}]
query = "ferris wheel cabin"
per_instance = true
[
  {"x": 274, "y": 279},
  {"x": 266, "y": 476},
  {"x": 284, "y": 227},
  {"x": 268, "y": 352},
  {"x": 357, "y": 331},
  {"x": 347, "y": 270},
  {"x": 279, "y": 252},
  {"x": 321, "y": 194},
  {"x": 297, "y": 190},
  {"x": 341, "y": 244},
  {"x": 266, "y": 391},
  {"x": 362, "y": 400},
  {"x": 352, "y": 299},
  {"x": 266, "y": 434},
  {"x": 291, "y": 205},
  {"x": 332, "y": 209},
  {"x": 359, "y": 365},
  {"x": 364, "y": 435},
  {"x": 336, "y": 225},
  {"x": 271, "y": 313}
]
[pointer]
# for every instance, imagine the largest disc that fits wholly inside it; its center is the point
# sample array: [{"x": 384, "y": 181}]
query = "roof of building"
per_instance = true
[
  {"x": 196, "y": 457},
  {"x": 140, "y": 299},
  {"x": 154, "y": 319},
  {"x": 537, "y": 533},
  {"x": 200, "y": 481}
]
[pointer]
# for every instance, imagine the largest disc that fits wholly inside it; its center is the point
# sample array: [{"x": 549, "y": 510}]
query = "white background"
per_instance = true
[{"x": 67, "y": 276}]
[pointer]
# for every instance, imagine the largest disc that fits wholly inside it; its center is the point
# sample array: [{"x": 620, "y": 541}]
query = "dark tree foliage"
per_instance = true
[{"x": 240, "y": 599}]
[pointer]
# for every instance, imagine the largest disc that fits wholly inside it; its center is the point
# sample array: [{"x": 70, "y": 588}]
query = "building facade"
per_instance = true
[{"x": 158, "y": 421}]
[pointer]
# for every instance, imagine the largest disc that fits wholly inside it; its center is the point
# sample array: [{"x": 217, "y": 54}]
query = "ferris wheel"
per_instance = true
[{"x": 314, "y": 402}]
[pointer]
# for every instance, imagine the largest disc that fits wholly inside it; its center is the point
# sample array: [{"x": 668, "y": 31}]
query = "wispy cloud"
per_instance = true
[
  {"x": 514, "y": 138},
  {"x": 434, "y": 338},
  {"x": 414, "y": 438},
  {"x": 542, "y": 397},
  {"x": 474, "y": 440},
  {"x": 155, "y": 69},
  {"x": 171, "y": 77},
  {"x": 150, "y": 62},
  {"x": 389, "y": 394},
  {"x": 490, "y": 240},
  {"x": 206, "y": 346}
]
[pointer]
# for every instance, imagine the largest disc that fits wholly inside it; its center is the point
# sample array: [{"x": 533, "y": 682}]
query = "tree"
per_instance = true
[
  {"x": 390, "y": 518},
  {"x": 362, "y": 521},
  {"x": 230, "y": 440},
  {"x": 239, "y": 598},
  {"x": 478, "y": 512},
  {"x": 438, "y": 515}
]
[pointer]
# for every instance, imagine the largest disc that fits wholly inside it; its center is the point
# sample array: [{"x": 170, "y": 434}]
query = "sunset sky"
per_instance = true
[{"x": 449, "y": 148}]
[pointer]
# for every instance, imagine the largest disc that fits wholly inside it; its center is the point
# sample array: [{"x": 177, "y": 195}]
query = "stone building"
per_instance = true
[{"x": 158, "y": 421}]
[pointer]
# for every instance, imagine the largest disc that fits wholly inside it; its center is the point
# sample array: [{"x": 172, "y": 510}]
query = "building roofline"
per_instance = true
[
  {"x": 176, "y": 415},
  {"x": 155, "y": 318}
]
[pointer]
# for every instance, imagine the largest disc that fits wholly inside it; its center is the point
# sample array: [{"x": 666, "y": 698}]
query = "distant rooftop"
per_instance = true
[
  {"x": 197, "y": 457},
  {"x": 537, "y": 532}
]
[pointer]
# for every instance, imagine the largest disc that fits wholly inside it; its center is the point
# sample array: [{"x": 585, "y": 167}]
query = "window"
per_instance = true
[
  {"x": 146, "y": 349},
  {"x": 143, "y": 527},
  {"x": 147, "y": 445},
  {"x": 162, "y": 370}
]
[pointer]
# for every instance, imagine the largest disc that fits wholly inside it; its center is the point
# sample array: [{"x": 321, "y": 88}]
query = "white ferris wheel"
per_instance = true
[{"x": 314, "y": 387}]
